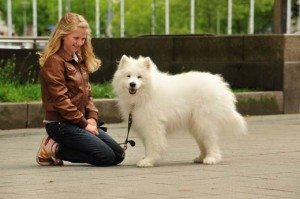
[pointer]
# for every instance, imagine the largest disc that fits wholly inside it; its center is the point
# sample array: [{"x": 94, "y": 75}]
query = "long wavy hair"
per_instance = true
[{"x": 67, "y": 24}]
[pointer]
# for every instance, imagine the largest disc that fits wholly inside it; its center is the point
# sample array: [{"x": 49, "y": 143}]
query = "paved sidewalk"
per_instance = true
[{"x": 263, "y": 164}]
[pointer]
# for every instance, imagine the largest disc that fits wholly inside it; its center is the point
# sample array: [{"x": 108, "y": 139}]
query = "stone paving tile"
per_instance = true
[{"x": 264, "y": 164}]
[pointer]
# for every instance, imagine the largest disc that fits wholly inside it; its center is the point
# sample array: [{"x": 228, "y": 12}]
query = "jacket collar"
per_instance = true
[{"x": 63, "y": 54}]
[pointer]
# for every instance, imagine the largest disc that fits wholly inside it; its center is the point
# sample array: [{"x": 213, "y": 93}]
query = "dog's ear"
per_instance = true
[
  {"x": 124, "y": 60},
  {"x": 147, "y": 62}
]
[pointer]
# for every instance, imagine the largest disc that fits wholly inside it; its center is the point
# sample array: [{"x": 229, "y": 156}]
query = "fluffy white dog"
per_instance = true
[{"x": 195, "y": 102}]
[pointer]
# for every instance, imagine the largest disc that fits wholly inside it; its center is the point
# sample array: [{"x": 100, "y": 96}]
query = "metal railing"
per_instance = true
[{"x": 23, "y": 42}]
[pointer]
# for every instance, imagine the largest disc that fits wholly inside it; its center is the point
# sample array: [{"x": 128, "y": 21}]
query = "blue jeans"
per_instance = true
[{"x": 79, "y": 146}]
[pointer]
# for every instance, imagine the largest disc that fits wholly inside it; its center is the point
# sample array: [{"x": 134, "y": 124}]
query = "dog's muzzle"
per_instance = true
[{"x": 132, "y": 88}]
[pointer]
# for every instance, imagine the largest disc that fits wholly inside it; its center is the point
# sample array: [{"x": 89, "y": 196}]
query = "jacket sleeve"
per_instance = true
[
  {"x": 90, "y": 109},
  {"x": 53, "y": 73}
]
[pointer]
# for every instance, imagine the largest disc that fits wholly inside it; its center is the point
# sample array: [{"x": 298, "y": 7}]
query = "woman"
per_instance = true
[{"x": 70, "y": 114}]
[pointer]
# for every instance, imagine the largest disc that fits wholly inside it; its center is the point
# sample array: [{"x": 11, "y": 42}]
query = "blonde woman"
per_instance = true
[{"x": 70, "y": 114}]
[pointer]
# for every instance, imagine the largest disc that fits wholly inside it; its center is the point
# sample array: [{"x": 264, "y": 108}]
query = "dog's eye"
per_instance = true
[
  {"x": 128, "y": 75},
  {"x": 139, "y": 77}
]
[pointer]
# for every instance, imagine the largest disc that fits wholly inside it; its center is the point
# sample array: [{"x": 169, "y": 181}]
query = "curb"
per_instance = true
[{"x": 30, "y": 114}]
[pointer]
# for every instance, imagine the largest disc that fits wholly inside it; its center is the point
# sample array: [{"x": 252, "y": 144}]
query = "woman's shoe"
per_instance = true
[{"x": 46, "y": 153}]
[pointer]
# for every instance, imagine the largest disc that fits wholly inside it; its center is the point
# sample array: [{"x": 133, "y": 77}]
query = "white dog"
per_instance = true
[{"x": 195, "y": 102}]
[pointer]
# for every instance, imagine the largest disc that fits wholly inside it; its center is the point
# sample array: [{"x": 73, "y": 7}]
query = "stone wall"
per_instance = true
[
  {"x": 244, "y": 61},
  {"x": 291, "y": 75}
]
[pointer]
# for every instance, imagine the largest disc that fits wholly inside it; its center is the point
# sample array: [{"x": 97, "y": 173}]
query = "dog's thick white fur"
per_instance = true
[{"x": 196, "y": 102}]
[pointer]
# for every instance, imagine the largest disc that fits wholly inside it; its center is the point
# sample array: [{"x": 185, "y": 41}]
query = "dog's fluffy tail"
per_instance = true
[{"x": 235, "y": 123}]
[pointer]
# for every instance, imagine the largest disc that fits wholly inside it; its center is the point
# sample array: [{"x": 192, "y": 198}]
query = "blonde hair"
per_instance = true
[{"x": 67, "y": 24}]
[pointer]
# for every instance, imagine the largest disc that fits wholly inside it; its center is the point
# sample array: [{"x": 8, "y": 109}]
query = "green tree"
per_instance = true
[{"x": 209, "y": 14}]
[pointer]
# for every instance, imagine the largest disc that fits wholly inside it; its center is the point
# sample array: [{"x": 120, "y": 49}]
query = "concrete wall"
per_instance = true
[{"x": 31, "y": 114}]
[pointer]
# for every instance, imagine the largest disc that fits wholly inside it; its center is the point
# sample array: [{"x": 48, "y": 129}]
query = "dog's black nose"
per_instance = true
[{"x": 132, "y": 84}]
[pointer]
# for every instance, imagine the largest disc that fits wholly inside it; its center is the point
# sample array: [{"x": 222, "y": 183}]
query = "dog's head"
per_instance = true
[{"x": 133, "y": 75}]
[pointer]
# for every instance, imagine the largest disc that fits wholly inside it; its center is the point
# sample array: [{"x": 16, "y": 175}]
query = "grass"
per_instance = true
[
  {"x": 241, "y": 90},
  {"x": 11, "y": 92},
  {"x": 102, "y": 90}
]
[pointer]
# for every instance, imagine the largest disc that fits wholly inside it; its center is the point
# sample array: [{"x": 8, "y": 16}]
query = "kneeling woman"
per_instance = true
[{"x": 70, "y": 114}]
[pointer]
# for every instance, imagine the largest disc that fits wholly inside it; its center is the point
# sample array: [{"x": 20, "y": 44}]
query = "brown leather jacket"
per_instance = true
[{"x": 66, "y": 92}]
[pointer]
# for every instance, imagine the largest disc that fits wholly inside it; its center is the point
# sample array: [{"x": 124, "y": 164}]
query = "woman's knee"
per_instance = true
[
  {"x": 104, "y": 159},
  {"x": 119, "y": 159}
]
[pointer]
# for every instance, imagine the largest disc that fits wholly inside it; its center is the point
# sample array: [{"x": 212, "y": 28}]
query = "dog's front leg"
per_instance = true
[{"x": 155, "y": 143}]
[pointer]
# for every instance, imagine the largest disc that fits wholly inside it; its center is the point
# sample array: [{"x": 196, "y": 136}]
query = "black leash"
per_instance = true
[
  {"x": 131, "y": 142},
  {"x": 100, "y": 125}
]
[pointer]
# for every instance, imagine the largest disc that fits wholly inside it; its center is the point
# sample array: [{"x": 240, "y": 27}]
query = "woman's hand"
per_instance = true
[
  {"x": 92, "y": 121},
  {"x": 92, "y": 129}
]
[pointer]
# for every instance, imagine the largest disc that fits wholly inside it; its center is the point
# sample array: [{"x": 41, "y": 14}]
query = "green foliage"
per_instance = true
[
  {"x": 26, "y": 73},
  {"x": 263, "y": 16},
  {"x": 208, "y": 14},
  {"x": 11, "y": 92},
  {"x": 14, "y": 92},
  {"x": 7, "y": 71},
  {"x": 102, "y": 90},
  {"x": 240, "y": 90}
]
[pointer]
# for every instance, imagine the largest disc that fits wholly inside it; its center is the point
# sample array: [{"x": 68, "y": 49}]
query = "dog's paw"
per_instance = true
[
  {"x": 211, "y": 160},
  {"x": 145, "y": 162},
  {"x": 199, "y": 160}
]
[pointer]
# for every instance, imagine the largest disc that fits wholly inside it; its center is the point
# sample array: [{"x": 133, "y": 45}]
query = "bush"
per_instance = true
[
  {"x": 11, "y": 92},
  {"x": 102, "y": 90},
  {"x": 7, "y": 71},
  {"x": 14, "y": 89}
]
